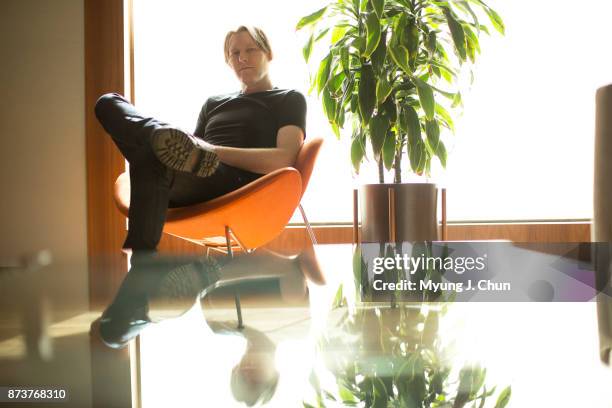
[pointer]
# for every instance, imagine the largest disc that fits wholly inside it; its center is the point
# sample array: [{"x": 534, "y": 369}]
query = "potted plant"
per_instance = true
[{"x": 392, "y": 72}]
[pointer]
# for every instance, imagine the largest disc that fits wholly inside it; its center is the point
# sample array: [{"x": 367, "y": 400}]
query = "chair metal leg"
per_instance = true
[
  {"x": 230, "y": 253},
  {"x": 240, "y": 244},
  {"x": 311, "y": 234}
]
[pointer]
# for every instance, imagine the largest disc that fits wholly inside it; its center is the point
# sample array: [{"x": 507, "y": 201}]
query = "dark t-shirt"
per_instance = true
[{"x": 250, "y": 120}]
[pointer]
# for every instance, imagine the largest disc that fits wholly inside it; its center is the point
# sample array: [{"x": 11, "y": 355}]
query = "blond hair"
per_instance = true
[{"x": 256, "y": 34}]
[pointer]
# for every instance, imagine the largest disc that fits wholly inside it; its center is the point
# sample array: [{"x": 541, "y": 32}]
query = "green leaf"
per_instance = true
[
  {"x": 357, "y": 151},
  {"x": 356, "y": 6},
  {"x": 345, "y": 394},
  {"x": 504, "y": 397},
  {"x": 344, "y": 59},
  {"x": 329, "y": 395},
  {"x": 444, "y": 67},
  {"x": 446, "y": 94},
  {"x": 336, "y": 81},
  {"x": 426, "y": 97},
  {"x": 389, "y": 109},
  {"x": 336, "y": 130},
  {"x": 364, "y": 5},
  {"x": 347, "y": 91},
  {"x": 367, "y": 93},
  {"x": 380, "y": 394},
  {"x": 483, "y": 28},
  {"x": 431, "y": 42},
  {"x": 470, "y": 50},
  {"x": 378, "y": 56},
  {"x": 329, "y": 105},
  {"x": 307, "y": 50},
  {"x": 432, "y": 129},
  {"x": 418, "y": 156},
  {"x": 399, "y": 55},
  {"x": 496, "y": 20},
  {"x": 383, "y": 89},
  {"x": 359, "y": 43},
  {"x": 464, "y": 5},
  {"x": 456, "y": 33},
  {"x": 409, "y": 123},
  {"x": 378, "y": 132},
  {"x": 340, "y": 112},
  {"x": 471, "y": 36},
  {"x": 473, "y": 47},
  {"x": 443, "y": 113},
  {"x": 441, "y": 154},
  {"x": 411, "y": 40},
  {"x": 338, "y": 299},
  {"x": 427, "y": 167},
  {"x": 310, "y": 19},
  {"x": 379, "y": 7},
  {"x": 457, "y": 100},
  {"x": 373, "y": 34},
  {"x": 338, "y": 33},
  {"x": 321, "y": 34},
  {"x": 354, "y": 103},
  {"x": 388, "y": 150},
  {"x": 323, "y": 74}
]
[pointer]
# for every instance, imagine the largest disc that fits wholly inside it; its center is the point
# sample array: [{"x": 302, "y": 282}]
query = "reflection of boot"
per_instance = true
[
  {"x": 189, "y": 280},
  {"x": 117, "y": 331},
  {"x": 151, "y": 277}
]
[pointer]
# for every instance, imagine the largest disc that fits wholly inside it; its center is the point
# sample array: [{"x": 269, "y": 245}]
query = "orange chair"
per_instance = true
[{"x": 249, "y": 217}]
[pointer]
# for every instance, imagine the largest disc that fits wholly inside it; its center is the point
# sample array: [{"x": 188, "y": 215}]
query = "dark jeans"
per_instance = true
[{"x": 154, "y": 187}]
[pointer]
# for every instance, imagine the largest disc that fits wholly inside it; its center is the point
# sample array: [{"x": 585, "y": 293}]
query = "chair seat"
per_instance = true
[{"x": 256, "y": 212}]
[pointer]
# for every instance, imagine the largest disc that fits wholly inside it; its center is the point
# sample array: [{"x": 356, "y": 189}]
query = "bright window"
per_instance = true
[{"x": 523, "y": 147}]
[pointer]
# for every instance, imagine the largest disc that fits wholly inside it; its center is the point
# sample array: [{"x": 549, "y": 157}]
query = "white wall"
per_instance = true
[
  {"x": 42, "y": 137},
  {"x": 42, "y": 169}
]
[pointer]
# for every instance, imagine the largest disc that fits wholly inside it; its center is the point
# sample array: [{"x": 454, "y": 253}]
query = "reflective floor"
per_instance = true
[{"x": 277, "y": 331}]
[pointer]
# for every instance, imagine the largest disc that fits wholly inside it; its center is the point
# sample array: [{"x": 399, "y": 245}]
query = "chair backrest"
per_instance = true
[{"x": 306, "y": 159}]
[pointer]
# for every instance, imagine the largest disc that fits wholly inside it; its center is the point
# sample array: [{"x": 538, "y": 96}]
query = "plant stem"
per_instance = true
[
  {"x": 397, "y": 166},
  {"x": 381, "y": 171}
]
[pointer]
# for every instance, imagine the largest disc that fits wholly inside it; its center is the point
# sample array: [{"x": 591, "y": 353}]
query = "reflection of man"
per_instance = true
[
  {"x": 155, "y": 281},
  {"x": 255, "y": 378}
]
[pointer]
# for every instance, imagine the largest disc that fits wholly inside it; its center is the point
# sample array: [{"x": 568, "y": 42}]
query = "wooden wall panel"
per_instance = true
[
  {"x": 104, "y": 72},
  {"x": 522, "y": 232},
  {"x": 292, "y": 239}
]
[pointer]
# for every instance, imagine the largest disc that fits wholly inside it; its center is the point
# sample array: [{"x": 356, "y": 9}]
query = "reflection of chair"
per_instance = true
[{"x": 248, "y": 217}]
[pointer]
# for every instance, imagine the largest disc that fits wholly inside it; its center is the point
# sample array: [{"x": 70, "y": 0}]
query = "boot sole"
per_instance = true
[{"x": 176, "y": 149}]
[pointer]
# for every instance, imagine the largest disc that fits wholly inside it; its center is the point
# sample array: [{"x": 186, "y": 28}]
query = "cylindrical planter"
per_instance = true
[
  {"x": 602, "y": 216},
  {"x": 602, "y": 198},
  {"x": 399, "y": 212}
]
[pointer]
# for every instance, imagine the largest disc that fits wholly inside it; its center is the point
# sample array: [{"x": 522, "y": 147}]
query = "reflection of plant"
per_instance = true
[
  {"x": 385, "y": 65},
  {"x": 392, "y": 357}
]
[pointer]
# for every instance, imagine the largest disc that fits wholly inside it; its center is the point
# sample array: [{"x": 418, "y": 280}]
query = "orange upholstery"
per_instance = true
[
  {"x": 305, "y": 161},
  {"x": 256, "y": 213}
]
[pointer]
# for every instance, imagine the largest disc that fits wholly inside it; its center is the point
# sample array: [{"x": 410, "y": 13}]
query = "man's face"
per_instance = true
[{"x": 249, "y": 62}]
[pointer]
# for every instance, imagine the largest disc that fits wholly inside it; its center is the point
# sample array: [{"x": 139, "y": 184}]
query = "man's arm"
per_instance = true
[
  {"x": 289, "y": 140},
  {"x": 202, "y": 119}
]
